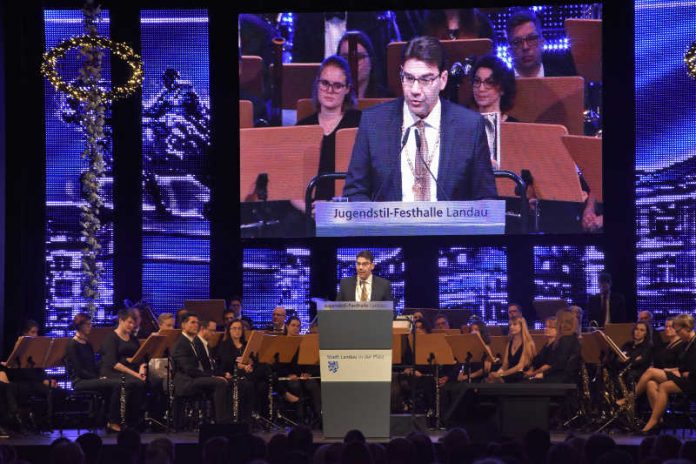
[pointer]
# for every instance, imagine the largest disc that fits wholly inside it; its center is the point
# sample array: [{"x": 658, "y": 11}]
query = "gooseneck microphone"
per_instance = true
[{"x": 420, "y": 156}]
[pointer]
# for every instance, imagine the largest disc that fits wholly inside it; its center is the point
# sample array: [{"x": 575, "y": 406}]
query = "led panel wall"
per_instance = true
[
  {"x": 389, "y": 264},
  {"x": 475, "y": 279},
  {"x": 276, "y": 277},
  {"x": 64, "y": 144},
  {"x": 665, "y": 161},
  {"x": 567, "y": 272},
  {"x": 176, "y": 140}
]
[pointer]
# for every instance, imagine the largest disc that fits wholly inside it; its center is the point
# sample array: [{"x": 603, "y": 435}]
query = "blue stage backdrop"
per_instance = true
[
  {"x": 389, "y": 263},
  {"x": 665, "y": 160},
  {"x": 475, "y": 279},
  {"x": 64, "y": 144},
  {"x": 276, "y": 277},
  {"x": 567, "y": 272},
  {"x": 176, "y": 140}
]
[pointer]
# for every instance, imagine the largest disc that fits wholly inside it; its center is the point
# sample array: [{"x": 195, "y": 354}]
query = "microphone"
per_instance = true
[
  {"x": 261, "y": 188},
  {"x": 404, "y": 139},
  {"x": 419, "y": 155}
]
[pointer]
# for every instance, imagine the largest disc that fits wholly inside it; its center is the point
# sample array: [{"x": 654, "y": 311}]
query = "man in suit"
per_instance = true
[
  {"x": 277, "y": 324},
  {"x": 193, "y": 372},
  {"x": 365, "y": 286},
  {"x": 419, "y": 147},
  {"x": 526, "y": 39},
  {"x": 608, "y": 306}
]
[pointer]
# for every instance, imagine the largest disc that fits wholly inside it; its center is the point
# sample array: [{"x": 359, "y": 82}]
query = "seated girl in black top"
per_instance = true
[
  {"x": 673, "y": 380},
  {"x": 638, "y": 351},
  {"x": 541, "y": 362},
  {"x": 82, "y": 368},
  {"x": 230, "y": 366},
  {"x": 562, "y": 361},
  {"x": 334, "y": 97},
  {"x": 519, "y": 353},
  {"x": 116, "y": 348}
]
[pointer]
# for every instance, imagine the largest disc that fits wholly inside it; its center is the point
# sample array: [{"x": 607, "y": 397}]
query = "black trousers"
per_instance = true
[
  {"x": 135, "y": 397},
  {"x": 221, "y": 391}
]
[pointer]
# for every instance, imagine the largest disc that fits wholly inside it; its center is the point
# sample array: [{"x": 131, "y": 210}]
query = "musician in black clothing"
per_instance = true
[
  {"x": 193, "y": 373},
  {"x": 562, "y": 358},
  {"x": 541, "y": 362},
  {"x": 82, "y": 369},
  {"x": 230, "y": 366},
  {"x": 638, "y": 351},
  {"x": 118, "y": 346},
  {"x": 674, "y": 381}
]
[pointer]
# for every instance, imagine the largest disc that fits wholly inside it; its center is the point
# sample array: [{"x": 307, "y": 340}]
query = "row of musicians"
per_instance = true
[{"x": 196, "y": 369}]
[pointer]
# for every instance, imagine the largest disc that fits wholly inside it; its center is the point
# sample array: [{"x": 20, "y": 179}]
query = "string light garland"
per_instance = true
[
  {"x": 690, "y": 60},
  {"x": 121, "y": 50}
]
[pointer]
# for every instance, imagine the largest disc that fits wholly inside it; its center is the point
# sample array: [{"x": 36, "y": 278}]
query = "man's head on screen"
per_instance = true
[{"x": 423, "y": 74}]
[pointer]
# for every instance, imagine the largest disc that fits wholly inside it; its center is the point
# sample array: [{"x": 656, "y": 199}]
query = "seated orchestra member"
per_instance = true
[
  {"x": 479, "y": 369},
  {"x": 519, "y": 353},
  {"x": 578, "y": 312},
  {"x": 494, "y": 87},
  {"x": 673, "y": 380},
  {"x": 639, "y": 352},
  {"x": 116, "y": 348},
  {"x": 561, "y": 362},
  {"x": 461, "y": 23},
  {"x": 445, "y": 155},
  {"x": 205, "y": 334},
  {"x": 227, "y": 317},
  {"x": 229, "y": 354},
  {"x": 370, "y": 84},
  {"x": 235, "y": 305},
  {"x": 665, "y": 359},
  {"x": 422, "y": 326},
  {"x": 157, "y": 370},
  {"x": 647, "y": 317},
  {"x": 300, "y": 384},
  {"x": 82, "y": 368},
  {"x": 191, "y": 375},
  {"x": 334, "y": 98},
  {"x": 277, "y": 324},
  {"x": 441, "y": 322},
  {"x": 541, "y": 362}
]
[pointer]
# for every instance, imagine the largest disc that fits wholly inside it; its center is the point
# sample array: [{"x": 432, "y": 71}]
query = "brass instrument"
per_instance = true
[
  {"x": 586, "y": 398},
  {"x": 628, "y": 408}
]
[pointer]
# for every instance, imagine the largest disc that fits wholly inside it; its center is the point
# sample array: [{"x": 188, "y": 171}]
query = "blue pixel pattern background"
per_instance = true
[{"x": 176, "y": 139}]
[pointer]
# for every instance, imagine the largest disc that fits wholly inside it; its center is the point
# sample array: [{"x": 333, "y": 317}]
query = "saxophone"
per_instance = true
[
  {"x": 586, "y": 398},
  {"x": 122, "y": 400},
  {"x": 608, "y": 394},
  {"x": 629, "y": 406}
]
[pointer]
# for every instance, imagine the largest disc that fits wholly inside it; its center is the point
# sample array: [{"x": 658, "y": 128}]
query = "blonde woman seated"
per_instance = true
[
  {"x": 676, "y": 380},
  {"x": 562, "y": 360},
  {"x": 541, "y": 362},
  {"x": 519, "y": 353}
]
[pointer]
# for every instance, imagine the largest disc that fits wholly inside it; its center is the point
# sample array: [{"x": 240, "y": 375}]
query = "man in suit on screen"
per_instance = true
[
  {"x": 420, "y": 147},
  {"x": 364, "y": 286}
]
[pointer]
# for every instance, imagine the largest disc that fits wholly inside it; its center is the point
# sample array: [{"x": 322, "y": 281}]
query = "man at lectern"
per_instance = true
[
  {"x": 420, "y": 147},
  {"x": 365, "y": 286}
]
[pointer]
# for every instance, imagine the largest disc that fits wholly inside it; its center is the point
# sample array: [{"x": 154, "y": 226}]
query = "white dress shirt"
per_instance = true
[{"x": 432, "y": 134}]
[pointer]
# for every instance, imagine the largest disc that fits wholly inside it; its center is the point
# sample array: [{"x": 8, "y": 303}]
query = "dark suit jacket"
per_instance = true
[
  {"x": 464, "y": 172},
  {"x": 558, "y": 64},
  {"x": 617, "y": 307},
  {"x": 381, "y": 289},
  {"x": 187, "y": 364}
]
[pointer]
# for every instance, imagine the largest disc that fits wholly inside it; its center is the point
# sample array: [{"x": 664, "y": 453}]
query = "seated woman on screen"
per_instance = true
[{"x": 370, "y": 82}]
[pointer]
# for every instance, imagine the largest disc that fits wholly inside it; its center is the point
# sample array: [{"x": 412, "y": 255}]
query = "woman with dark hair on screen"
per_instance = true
[
  {"x": 334, "y": 98},
  {"x": 453, "y": 23},
  {"x": 370, "y": 76},
  {"x": 493, "y": 87}
]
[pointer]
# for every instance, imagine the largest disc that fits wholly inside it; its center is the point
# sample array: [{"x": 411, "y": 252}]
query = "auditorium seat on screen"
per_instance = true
[
  {"x": 551, "y": 100},
  {"x": 345, "y": 139},
  {"x": 585, "y": 37},
  {"x": 298, "y": 79},
  {"x": 289, "y": 155},
  {"x": 587, "y": 154},
  {"x": 539, "y": 149},
  {"x": 305, "y": 106},
  {"x": 457, "y": 50},
  {"x": 246, "y": 114},
  {"x": 251, "y": 78}
]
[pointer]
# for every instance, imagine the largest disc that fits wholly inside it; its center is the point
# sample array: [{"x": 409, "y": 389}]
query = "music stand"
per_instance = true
[
  {"x": 253, "y": 346},
  {"x": 591, "y": 348},
  {"x": 468, "y": 347},
  {"x": 278, "y": 348},
  {"x": 309, "y": 350},
  {"x": 153, "y": 344},
  {"x": 585, "y": 37},
  {"x": 606, "y": 344},
  {"x": 171, "y": 335},
  {"x": 29, "y": 352},
  {"x": 498, "y": 346},
  {"x": 398, "y": 347},
  {"x": 97, "y": 335},
  {"x": 210, "y": 310},
  {"x": 56, "y": 354},
  {"x": 446, "y": 331},
  {"x": 620, "y": 333}
]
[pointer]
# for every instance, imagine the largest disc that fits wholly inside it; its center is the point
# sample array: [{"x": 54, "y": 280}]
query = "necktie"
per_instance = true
[
  {"x": 421, "y": 185},
  {"x": 363, "y": 292}
]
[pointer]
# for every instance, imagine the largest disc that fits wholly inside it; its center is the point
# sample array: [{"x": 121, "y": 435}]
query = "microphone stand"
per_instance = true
[{"x": 414, "y": 425}]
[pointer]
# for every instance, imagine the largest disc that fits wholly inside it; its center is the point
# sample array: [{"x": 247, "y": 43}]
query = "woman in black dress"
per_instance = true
[
  {"x": 519, "y": 353},
  {"x": 118, "y": 346},
  {"x": 542, "y": 361},
  {"x": 334, "y": 98},
  {"x": 82, "y": 368},
  {"x": 639, "y": 353},
  {"x": 230, "y": 366},
  {"x": 677, "y": 380},
  {"x": 564, "y": 352}
]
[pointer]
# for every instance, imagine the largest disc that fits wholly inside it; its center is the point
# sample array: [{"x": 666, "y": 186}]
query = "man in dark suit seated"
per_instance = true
[
  {"x": 420, "y": 147},
  {"x": 608, "y": 306},
  {"x": 365, "y": 286},
  {"x": 526, "y": 39},
  {"x": 193, "y": 372}
]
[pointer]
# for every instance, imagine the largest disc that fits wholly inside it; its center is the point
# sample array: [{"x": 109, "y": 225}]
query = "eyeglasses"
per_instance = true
[
  {"x": 361, "y": 56},
  {"x": 532, "y": 40},
  {"x": 425, "y": 81},
  {"x": 335, "y": 86},
  {"x": 489, "y": 83}
]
